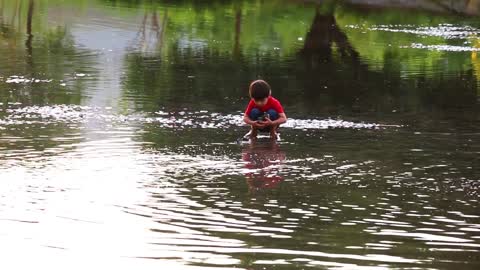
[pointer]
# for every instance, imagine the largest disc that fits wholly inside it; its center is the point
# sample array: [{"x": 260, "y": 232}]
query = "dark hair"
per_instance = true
[{"x": 259, "y": 89}]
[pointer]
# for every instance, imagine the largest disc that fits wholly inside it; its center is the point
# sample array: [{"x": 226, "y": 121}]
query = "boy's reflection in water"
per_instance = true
[{"x": 263, "y": 161}]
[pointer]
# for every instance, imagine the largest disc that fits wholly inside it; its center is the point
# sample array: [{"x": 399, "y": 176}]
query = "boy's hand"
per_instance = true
[
  {"x": 258, "y": 125},
  {"x": 267, "y": 122}
]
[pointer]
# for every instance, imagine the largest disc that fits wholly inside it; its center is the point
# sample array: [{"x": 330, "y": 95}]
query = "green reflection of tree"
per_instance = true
[
  {"x": 409, "y": 60},
  {"x": 341, "y": 75},
  {"x": 31, "y": 47},
  {"x": 34, "y": 49},
  {"x": 202, "y": 59},
  {"x": 206, "y": 21}
]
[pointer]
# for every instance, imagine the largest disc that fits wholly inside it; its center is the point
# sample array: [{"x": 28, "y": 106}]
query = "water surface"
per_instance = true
[{"x": 119, "y": 123}]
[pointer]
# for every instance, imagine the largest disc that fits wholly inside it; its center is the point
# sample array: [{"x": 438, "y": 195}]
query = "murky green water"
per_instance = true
[{"x": 119, "y": 123}]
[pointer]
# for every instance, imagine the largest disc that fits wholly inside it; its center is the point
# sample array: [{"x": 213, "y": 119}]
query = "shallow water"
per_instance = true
[{"x": 120, "y": 120}]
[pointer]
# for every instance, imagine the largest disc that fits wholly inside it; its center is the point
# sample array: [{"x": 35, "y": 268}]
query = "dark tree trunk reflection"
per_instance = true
[
  {"x": 29, "y": 32},
  {"x": 323, "y": 32},
  {"x": 238, "y": 31}
]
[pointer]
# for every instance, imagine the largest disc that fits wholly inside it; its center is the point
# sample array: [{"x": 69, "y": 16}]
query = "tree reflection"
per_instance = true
[
  {"x": 51, "y": 55},
  {"x": 238, "y": 29},
  {"x": 330, "y": 66},
  {"x": 28, "y": 43},
  {"x": 205, "y": 65},
  {"x": 149, "y": 38},
  {"x": 324, "y": 31}
]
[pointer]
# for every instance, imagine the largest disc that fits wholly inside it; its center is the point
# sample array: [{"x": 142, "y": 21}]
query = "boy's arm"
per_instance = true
[
  {"x": 247, "y": 120},
  {"x": 246, "y": 117},
  {"x": 282, "y": 118}
]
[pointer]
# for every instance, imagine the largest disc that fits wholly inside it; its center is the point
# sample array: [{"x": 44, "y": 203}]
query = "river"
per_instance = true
[{"x": 120, "y": 120}]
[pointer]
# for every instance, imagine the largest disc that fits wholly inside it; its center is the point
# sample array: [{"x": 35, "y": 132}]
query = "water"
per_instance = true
[{"x": 119, "y": 123}]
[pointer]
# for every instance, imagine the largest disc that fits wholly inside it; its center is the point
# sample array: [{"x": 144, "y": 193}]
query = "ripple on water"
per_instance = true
[{"x": 170, "y": 205}]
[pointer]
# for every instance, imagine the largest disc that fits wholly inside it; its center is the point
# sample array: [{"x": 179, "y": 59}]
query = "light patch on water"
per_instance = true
[
  {"x": 463, "y": 215},
  {"x": 328, "y": 124},
  {"x": 21, "y": 79},
  {"x": 56, "y": 112},
  {"x": 426, "y": 237},
  {"x": 179, "y": 120},
  {"x": 447, "y": 31},
  {"x": 447, "y": 48}
]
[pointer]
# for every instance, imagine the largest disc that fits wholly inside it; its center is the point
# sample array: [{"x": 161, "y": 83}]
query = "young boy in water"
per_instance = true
[{"x": 264, "y": 112}]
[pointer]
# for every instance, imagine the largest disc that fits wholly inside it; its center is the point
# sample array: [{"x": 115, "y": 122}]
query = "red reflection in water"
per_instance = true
[{"x": 264, "y": 160}]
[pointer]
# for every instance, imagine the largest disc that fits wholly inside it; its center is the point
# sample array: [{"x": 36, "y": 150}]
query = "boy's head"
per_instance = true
[{"x": 260, "y": 91}]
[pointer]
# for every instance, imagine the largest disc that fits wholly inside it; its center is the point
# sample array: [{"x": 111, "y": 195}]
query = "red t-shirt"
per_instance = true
[{"x": 272, "y": 103}]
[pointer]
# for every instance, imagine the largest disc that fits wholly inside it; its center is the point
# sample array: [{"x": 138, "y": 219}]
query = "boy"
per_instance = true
[{"x": 264, "y": 112}]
